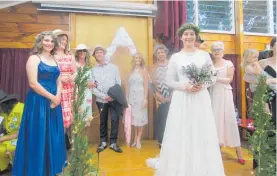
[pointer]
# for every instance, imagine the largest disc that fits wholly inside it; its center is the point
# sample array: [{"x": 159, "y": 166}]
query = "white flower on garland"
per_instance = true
[{"x": 121, "y": 39}]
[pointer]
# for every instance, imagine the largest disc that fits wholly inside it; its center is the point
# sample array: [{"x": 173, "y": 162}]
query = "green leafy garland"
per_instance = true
[
  {"x": 263, "y": 140},
  {"x": 80, "y": 160}
]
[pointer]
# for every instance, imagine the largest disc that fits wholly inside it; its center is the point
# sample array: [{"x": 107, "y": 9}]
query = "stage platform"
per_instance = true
[{"x": 132, "y": 161}]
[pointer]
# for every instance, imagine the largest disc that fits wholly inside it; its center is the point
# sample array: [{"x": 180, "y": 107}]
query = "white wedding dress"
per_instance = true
[{"x": 190, "y": 145}]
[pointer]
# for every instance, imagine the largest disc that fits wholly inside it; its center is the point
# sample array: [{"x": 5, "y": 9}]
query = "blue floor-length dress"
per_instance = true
[{"x": 40, "y": 147}]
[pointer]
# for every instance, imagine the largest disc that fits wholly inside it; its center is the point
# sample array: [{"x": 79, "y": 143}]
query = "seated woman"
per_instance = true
[{"x": 10, "y": 117}]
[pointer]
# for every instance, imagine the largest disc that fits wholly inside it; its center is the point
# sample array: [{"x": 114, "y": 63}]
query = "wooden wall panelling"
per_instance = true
[
  {"x": 21, "y": 23},
  {"x": 36, "y": 28},
  {"x": 256, "y": 42},
  {"x": 26, "y": 8},
  {"x": 227, "y": 39},
  {"x": 9, "y": 27}
]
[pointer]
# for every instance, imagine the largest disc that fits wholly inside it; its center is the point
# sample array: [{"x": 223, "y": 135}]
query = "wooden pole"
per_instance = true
[
  {"x": 239, "y": 51},
  {"x": 72, "y": 27},
  {"x": 150, "y": 63}
]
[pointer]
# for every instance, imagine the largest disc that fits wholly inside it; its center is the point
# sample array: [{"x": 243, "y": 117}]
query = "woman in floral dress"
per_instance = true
[{"x": 67, "y": 65}]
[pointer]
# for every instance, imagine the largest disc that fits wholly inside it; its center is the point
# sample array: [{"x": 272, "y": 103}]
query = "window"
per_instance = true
[
  {"x": 211, "y": 16},
  {"x": 274, "y": 17},
  {"x": 258, "y": 17}
]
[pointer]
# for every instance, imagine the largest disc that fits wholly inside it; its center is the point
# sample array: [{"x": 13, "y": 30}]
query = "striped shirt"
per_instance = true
[
  {"x": 106, "y": 75},
  {"x": 161, "y": 81}
]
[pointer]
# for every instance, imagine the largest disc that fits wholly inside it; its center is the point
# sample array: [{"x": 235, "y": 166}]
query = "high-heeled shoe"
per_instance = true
[
  {"x": 241, "y": 161},
  {"x": 134, "y": 144},
  {"x": 138, "y": 146}
]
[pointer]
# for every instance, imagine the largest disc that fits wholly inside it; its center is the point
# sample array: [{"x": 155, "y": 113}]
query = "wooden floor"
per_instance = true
[{"x": 132, "y": 161}]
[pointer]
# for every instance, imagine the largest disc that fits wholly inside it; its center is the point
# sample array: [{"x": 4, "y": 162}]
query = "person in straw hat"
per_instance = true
[
  {"x": 105, "y": 75},
  {"x": 67, "y": 65},
  {"x": 82, "y": 55}
]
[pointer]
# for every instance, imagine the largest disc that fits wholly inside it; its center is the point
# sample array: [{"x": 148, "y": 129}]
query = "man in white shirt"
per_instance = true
[{"x": 105, "y": 76}]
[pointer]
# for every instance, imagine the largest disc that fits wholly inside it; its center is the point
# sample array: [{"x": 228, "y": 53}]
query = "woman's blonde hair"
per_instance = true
[
  {"x": 38, "y": 45},
  {"x": 87, "y": 57},
  {"x": 142, "y": 62},
  {"x": 217, "y": 44},
  {"x": 246, "y": 54}
]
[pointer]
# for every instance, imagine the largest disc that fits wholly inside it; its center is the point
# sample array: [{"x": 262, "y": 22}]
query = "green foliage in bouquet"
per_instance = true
[
  {"x": 197, "y": 75},
  {"x": 263, "y": 140},
  {"x": 79, "y": 159}
]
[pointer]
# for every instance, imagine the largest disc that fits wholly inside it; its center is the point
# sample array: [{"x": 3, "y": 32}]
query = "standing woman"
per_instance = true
[
  {"x": 190, "y": 144},
  {"x": 67, "y": 65},
  {"x": 162, "y": 94},
  {"x": 222, "y": 101},
  {"x": 82, "y": 56},
  {"x": 137, "y": 93},
  {"x": 40, "y": 147},
  {"x": 269, "y": 66}
]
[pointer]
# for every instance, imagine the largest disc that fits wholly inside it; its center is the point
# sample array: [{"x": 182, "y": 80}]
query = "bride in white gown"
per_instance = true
[{"x": 190, "y": 145}]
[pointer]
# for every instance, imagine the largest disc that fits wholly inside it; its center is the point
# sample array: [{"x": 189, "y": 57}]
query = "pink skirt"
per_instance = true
[{"x": 66, "y": 103}]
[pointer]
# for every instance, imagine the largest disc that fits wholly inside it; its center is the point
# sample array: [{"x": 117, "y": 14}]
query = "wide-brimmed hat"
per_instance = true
[
  {"x": 5, "y": 97},
  {"x": 58, "y": 32},
  {"x": 99, "y": 47},
  {"x": 81, "y": 47}
]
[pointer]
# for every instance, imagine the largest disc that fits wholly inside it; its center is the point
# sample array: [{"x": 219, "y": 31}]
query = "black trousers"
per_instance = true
[
  {"x": 104, "y": 109},
  {"x": 160, "y": 121}
]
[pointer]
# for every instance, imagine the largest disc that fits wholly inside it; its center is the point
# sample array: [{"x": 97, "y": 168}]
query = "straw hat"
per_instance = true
[
  {"x": 98, "y": 47},
  {"x": 58, "y": 32}
]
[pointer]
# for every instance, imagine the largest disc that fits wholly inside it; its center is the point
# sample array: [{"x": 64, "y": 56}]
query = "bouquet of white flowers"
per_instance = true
[{"x": 199, "y": 76}]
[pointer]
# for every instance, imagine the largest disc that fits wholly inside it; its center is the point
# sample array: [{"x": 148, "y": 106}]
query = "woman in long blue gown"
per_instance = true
[{"x": 41, "y": 146}]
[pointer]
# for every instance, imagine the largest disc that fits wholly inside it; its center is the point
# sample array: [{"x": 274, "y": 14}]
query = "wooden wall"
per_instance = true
[
  {"x": 103, "y": 33},
  {"x": 20, "y": 24},
  {"x": 255, "y": 42}
]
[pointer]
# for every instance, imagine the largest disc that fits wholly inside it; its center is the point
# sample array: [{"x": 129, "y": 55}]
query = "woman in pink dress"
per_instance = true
[
  {"x": 67, "y": 65},
  {"x": 222, "y": 101}
]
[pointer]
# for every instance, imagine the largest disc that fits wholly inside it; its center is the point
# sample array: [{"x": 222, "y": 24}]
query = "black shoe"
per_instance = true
[
  {"x": 115, "y": 148},
  {"x": 101, "y": 147}
]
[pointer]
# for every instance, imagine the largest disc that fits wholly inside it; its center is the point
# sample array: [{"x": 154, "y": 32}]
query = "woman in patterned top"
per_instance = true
[
  {"x": 162, "y": 93},
  {"x": 67, "y": 65}
]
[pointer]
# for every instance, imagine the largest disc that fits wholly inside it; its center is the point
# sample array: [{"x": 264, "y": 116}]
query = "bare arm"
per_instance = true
[
  {"x": 230, "y": 76},
  {"x": 145, "y": 84},
  {"x": 253, "y": 70},
  {"x": 32, "y": 72},
  {"x": 9, "y": 137},
  {"x": 59, "y": 87},
  {"x": 271, "y": 81},
  {"x": 74, "y": 68}
]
